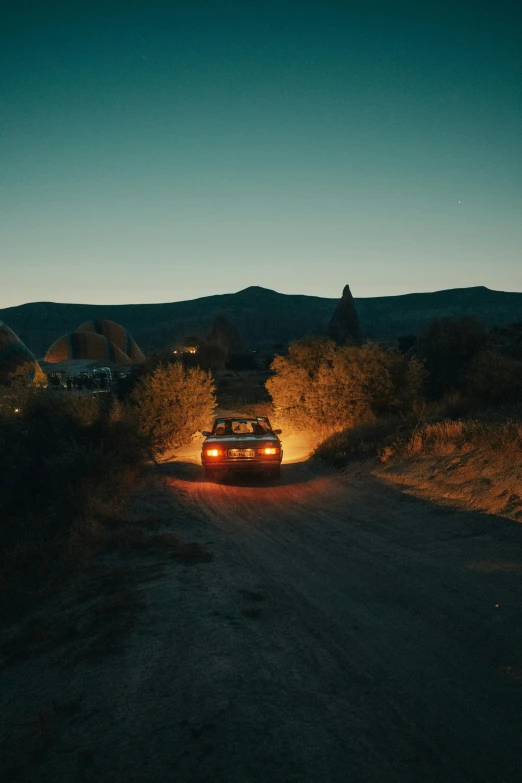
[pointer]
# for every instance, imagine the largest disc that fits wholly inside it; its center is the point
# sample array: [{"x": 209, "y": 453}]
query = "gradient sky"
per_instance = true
[{"x": 163, "y": 151}]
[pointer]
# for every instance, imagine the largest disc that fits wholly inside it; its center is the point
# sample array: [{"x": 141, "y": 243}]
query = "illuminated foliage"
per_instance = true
[
  {"x": 225, "y": 333},
  {"x": 172, "y": 403},
  {"x": 324, "y": 387}
]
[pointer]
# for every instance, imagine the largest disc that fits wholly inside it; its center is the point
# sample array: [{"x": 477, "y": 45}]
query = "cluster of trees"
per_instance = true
[
  {"x": 334, "y": 384},
  {"x": 219, "y": 348},
  {"x": 324, "y": 386},
  {"x": 222, "y": 347},
  {"x": 461, "y": 355}
]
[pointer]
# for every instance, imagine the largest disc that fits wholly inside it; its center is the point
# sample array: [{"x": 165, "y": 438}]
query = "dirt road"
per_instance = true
[{"x": 343, "y": 631}]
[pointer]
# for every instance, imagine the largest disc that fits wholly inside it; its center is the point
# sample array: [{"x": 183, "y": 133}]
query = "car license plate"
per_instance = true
[{"x": 241, "y": 453}]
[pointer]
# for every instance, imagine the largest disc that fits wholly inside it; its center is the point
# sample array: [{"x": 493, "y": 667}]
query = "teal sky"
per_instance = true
[{"x": 164, "y": 151}]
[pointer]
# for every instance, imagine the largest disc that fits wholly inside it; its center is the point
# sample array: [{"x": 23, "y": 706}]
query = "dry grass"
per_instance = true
[
  {"x": 368, "y": 439},
  {"x": 473, "y": 464},
  {"x": 448, "y": 436}
]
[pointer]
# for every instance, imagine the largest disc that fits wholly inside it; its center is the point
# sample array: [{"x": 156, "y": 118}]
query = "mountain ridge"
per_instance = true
[{"x": 264, "y": 316}]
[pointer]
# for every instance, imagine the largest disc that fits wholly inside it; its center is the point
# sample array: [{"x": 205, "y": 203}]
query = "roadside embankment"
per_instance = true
[{"x": 471, "y": 464}]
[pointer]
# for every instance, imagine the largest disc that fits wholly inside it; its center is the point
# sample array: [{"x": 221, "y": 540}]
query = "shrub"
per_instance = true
[
  {"x": 172, "y": 403},
  {"x": 446, "y": 346},
  {"x": 65, "y": 462},
  {"x": 322, "y": 387},
  {"x": 493, "y": 378},
  {"x": 370, "y": 439}
]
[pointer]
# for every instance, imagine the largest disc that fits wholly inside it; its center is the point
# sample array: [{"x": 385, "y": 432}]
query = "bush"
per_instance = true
[
  {"x": 447, "y": 346},
  {"x": 172, "y": 403},
  {"x": 494, "y": 378},
  {"x": 366, "y": 440},
  {"x": 65, "y": 462},
  {"x": 325, "y": 388}
]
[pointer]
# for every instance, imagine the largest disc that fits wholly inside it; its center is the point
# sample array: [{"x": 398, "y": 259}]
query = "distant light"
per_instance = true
[{"x": 17, "y": 410}]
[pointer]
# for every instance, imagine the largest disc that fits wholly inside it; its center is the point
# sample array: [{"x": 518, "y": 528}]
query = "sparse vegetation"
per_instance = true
[
  {"x": 475, "y": 463},
  {"x": 365, "y": 440},
  {"x": 449, "y": 436}
]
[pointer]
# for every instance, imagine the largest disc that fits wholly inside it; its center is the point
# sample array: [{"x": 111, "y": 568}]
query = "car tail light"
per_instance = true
[
  {"x": 213, "y": 452},
  {"x": 270, "y": 450}
]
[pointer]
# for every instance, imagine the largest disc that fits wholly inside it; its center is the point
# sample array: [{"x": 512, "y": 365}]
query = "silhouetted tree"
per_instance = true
[
  {"x": 344, "y": 324},
  {"x": 225, "y": 333},
  {"x": 447, "y": 346},
  {"x": 508, "y": 339},
  {"x": 493, "y": 378},
  {"x": 406, "y": 343}
]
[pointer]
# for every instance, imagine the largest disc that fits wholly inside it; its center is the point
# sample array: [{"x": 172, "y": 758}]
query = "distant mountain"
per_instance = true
[{"x": 264, "y": 317}]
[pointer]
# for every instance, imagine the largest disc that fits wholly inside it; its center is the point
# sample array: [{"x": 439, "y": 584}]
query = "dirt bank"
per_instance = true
[{"x": 472, "y": 479}]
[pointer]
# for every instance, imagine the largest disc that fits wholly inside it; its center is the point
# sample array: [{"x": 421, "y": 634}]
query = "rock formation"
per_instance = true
[{"x": 344, "y": 324}]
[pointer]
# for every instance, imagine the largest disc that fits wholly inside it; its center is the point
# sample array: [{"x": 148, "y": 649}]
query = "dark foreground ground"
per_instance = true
[{"x": 342, "y": 631}]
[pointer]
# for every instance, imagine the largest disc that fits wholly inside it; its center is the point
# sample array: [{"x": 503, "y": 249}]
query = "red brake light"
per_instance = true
[{"x": 213, "y": 452}]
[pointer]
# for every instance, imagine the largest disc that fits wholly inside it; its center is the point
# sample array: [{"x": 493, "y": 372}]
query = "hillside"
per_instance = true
[{"x": 264, "y": 317}]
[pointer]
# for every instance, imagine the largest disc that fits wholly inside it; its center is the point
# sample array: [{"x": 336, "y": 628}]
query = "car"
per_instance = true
[{"x": 239, "y": 444}]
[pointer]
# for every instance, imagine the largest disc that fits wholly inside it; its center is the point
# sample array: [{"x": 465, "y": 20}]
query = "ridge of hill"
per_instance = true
[{"x": 264, "y": 317}]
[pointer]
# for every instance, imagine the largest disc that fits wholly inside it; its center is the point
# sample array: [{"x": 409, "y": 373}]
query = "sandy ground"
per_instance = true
[{"x": 343, "y": 631}]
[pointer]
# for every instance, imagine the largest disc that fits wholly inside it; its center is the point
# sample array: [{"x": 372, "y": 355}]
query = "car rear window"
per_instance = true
[{"x": 240, "y": 427}]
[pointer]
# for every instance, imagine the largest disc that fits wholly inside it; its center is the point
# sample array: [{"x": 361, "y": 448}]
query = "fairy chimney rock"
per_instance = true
[{"x": 344, "y": 324}]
